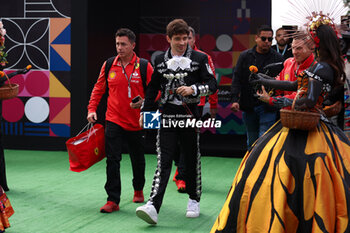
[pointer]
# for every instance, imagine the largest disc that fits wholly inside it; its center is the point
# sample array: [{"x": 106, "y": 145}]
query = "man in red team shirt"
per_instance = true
[
  {"x": 122, "y": 117},
  {"x": 302, "y": 59},
  {"x": 213, "y": 101}
]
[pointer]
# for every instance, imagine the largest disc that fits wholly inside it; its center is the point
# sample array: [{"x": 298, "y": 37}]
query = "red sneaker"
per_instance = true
[
  {"x": 176, "y": 173},
  {"x": 138, "y": 197},
  {"x": 181, "y": 186},
  {"x": 109, "y": 207}
]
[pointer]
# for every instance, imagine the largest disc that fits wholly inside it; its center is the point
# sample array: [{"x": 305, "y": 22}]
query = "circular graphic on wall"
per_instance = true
[
  {"x": 36, "y": 109},
  {"x": 224, "y": 42},
  {"x": 12, "y": 110},
  {"x": 18, "y": 79},
  {"x": 207, "y": 43},
  {"x": 33, "y": 79}
]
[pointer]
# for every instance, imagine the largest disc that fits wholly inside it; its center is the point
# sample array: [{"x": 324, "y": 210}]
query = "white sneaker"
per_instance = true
[
  {"x": 192, "y": 209},
  {"x": 148, "y": 213}
]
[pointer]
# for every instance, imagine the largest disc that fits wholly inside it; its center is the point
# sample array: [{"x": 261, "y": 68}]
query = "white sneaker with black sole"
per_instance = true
[
  {"x": 192, "y": 209},
  {"x": 147, "y": 213}
]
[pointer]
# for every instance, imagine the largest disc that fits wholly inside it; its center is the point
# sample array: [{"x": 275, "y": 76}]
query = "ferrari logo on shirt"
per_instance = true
[
  {"x": 112, "y": 75},
  {"x": 137, "y": 66},
  {"x": 96, "y": 151}
]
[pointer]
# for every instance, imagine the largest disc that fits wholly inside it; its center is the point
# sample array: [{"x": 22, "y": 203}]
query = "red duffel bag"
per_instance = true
[{"x": 87, "y": 148}]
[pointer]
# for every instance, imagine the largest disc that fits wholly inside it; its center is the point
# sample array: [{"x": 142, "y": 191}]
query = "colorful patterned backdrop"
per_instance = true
[{"x": 40, "y": 36}]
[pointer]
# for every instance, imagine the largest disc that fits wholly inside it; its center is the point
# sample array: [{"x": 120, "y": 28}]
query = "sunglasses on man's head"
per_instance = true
[{"x": 263, "y": 38}]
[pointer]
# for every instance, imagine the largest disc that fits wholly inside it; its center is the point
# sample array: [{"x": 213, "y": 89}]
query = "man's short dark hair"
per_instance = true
[
  {"x": 192, "y": 30},
  {"x": 126, "y": 32},
  {"x": 177, "y": 27},
  {"x": 279, "y": 29},
  {"x": 264, "y": 28}
]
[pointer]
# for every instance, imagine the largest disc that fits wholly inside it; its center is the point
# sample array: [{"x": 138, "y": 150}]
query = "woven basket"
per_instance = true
[
  {"x": 333, "y": 110},
  {"x": 8, "y": 91},
  {"x": 297, "y": 119}
]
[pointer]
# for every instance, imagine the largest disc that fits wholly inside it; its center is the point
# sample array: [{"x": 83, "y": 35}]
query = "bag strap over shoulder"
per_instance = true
[
  {"x": 108, "y": 66},
  {"x": 143, "y": 72}
]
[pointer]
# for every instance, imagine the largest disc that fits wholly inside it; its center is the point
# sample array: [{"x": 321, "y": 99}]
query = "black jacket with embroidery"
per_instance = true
[{"x": 195, "y": 71}]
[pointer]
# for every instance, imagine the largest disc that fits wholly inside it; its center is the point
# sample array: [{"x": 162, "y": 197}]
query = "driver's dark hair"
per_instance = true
[{"x": 177, "y": 27}]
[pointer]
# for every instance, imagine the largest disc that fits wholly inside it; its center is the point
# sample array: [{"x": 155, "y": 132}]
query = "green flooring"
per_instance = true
[{"x": 47, "y": 197}]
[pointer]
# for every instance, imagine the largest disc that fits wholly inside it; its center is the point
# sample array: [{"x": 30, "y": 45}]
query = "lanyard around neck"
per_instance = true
[
  {"x": 284, "y": 50},
  {"x": 126, "y": 76},
  {"x": 129, "y": 78}
]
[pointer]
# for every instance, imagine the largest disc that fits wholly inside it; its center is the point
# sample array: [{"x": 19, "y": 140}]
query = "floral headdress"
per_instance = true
[
  {"x": 316, "y": 20},
  {"x": 3, "y": 54},
  {"x": 309, "y": 15}
]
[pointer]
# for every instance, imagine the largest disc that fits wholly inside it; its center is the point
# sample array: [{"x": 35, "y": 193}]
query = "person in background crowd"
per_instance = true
[
  {"x": 257, "y": 116},
  {"x": 346, "y": 52},
  {"x": 125, "y": 84},
  {"x": 283, "y": 47},
  {"x": 302, "y": 59},
  {"x": 213, "y": 99}
]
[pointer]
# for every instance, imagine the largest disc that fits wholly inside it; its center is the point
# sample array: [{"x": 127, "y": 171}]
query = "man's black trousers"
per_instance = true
[{"x": 114, "y": 138}]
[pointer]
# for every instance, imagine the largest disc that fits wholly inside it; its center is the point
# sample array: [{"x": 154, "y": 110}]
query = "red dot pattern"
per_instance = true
[
  {"x": 18, "y": 79},
  {"x": 32, "y": 80},
  {"x": 12, "y": 109},
  {"x": 207, "y": 43}
]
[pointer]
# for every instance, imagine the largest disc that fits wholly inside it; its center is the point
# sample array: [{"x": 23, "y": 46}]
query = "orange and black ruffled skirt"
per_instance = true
[
  {"x": 6, "y": 210},
  {"x": 291, "y": 181}
]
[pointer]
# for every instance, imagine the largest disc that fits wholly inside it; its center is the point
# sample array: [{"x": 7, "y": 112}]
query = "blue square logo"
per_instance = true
[{"x": 151, "y": 120}]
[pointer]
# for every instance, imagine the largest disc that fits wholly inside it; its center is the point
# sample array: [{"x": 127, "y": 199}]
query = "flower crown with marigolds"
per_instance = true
[
  {"x": 316, "y": 20},
  {"x": 308, "y": 16},
  {"x": 3, "y": 54}
]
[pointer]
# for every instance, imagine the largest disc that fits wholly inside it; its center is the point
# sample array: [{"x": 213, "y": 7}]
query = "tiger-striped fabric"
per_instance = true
[{"x": 291, "y": 181}]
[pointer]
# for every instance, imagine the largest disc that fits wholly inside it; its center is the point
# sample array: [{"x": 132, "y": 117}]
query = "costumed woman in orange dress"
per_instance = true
[
  {"x": 294, "y": 180},
  {"x": 6, "y": 209},
  {"x": 3, "y": 61}
]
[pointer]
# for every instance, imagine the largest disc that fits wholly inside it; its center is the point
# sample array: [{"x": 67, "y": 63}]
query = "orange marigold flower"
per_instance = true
[{"x": 253, "y": 69}]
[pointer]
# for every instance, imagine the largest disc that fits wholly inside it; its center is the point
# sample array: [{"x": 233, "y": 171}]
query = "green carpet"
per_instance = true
[{"x": 47, "y": 197}]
